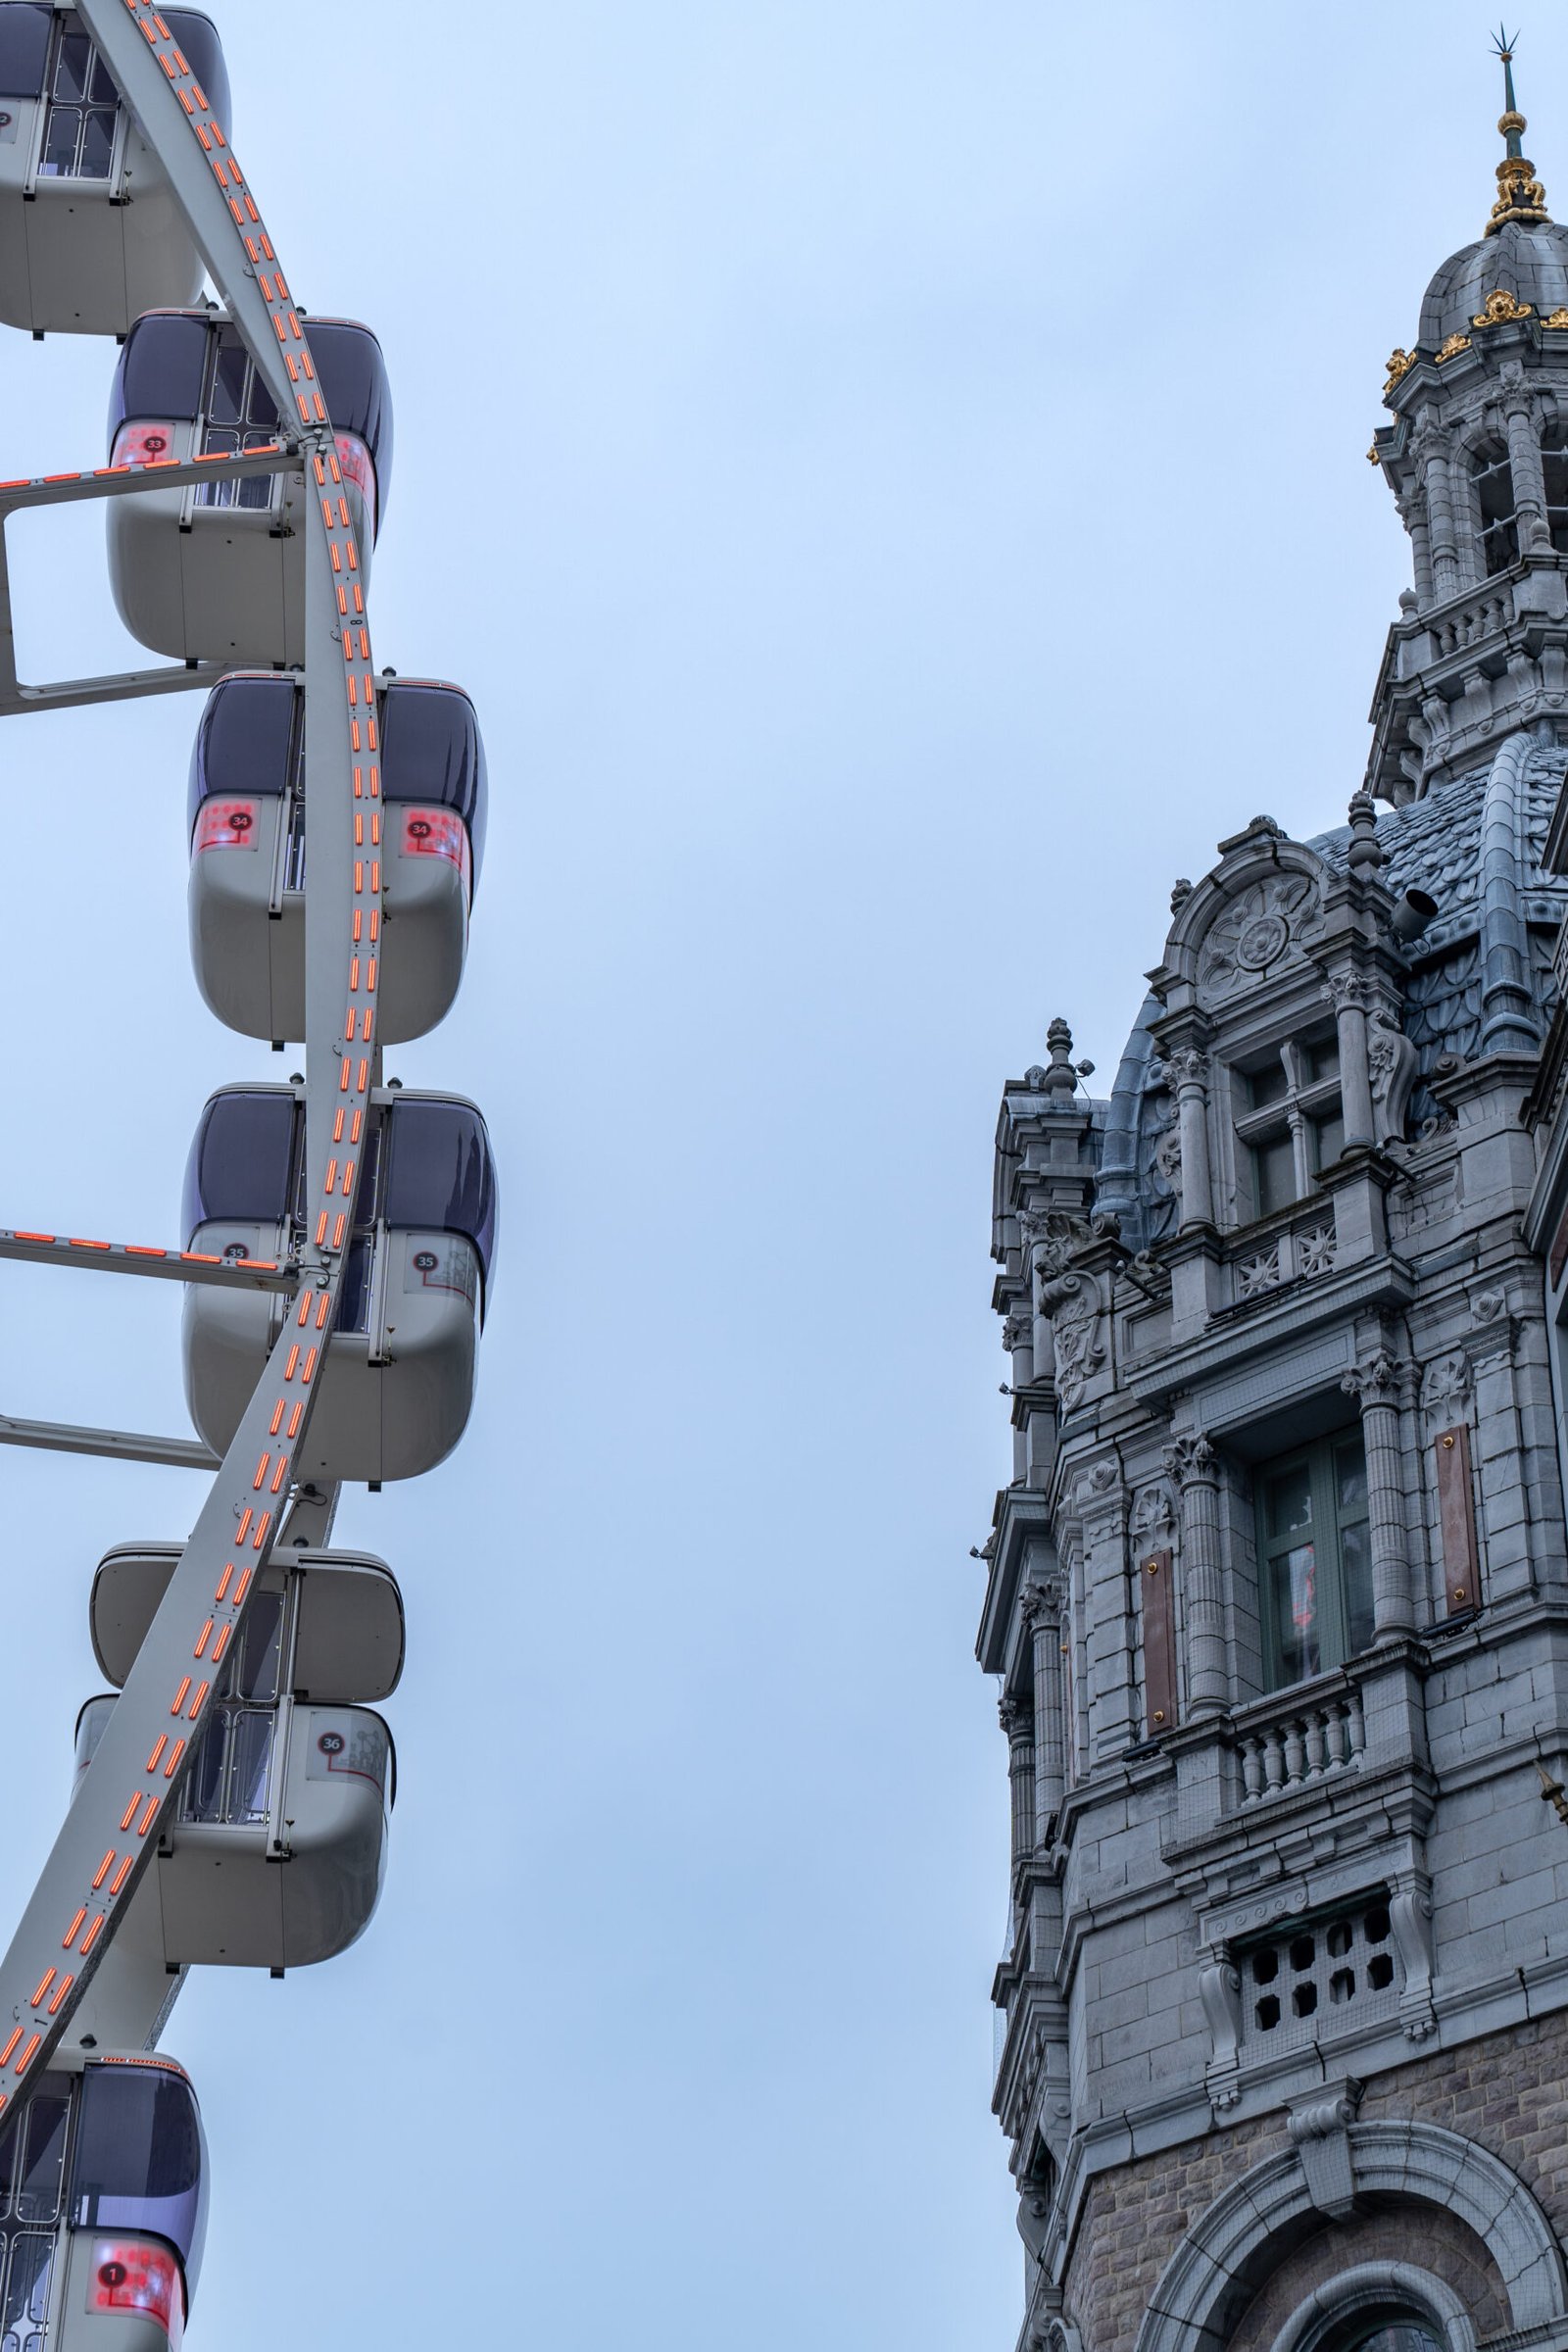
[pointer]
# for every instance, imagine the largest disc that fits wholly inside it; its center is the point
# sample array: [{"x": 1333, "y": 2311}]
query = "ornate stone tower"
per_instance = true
[{"x": 1278, "y": 1593}]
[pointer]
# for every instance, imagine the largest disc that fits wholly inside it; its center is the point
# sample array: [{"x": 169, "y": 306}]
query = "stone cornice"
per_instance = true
[{"x": 1285, "y": 1318}]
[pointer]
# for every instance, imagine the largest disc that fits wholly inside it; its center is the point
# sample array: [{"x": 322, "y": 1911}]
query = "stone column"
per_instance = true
[
  {"x": 1041, "y": 1613},
  {"x": 1448, "y": 576},
  {"x": 1017, "y": 1722},
  {"x": 1188, "y": 1070},
  {"x": 1351, "y": 993},
  {"x": 1193, "y": 1464},
  {"x": 1377, "y": 1381},
  {"x": 1413, "y": 515},
  {"x": 1110, "y": 1694},
  {"x": 1524, "y": 463}
]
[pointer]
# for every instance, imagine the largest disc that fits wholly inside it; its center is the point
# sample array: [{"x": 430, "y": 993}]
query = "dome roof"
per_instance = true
[{"x": 1528, "y": 260}]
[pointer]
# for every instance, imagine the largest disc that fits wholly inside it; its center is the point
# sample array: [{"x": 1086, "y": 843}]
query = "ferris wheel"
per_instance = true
[{"x": 234, "y": 1786}]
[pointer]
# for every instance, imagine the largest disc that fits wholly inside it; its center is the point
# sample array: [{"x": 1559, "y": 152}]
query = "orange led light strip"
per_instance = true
[{"x": 222, "y": 1615}]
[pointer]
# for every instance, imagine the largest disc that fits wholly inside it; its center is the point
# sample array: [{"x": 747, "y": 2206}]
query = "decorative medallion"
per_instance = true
[
  {"x": 1500, "y": 309},
  {"x": 1453, "y": 346},
  {"x": 1263, "y": 942},
  {"x": 1555, "y": 318},
  {"x": 1256, "y": 930}
]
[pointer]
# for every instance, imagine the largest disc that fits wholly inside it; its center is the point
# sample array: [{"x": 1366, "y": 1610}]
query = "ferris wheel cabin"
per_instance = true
[
  {"x": 102, "y": 2207},
  {"x": 400, "y": 1363},
  {"x": 214, "y": 571},
  {"x": 247, "y": 835},
  {"x": 90, "y": 235},
  {"x": 276, "y": 1854}
]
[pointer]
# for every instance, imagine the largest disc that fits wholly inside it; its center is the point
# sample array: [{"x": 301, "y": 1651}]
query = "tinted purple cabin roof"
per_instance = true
[
  {"x": 431, "y": 748},
  {"x": 163, "y": 370},
  {"x": 25, "y": 28},
  {"x": 435, "y": 1172},
  {"x": 138, "y": 2161}
]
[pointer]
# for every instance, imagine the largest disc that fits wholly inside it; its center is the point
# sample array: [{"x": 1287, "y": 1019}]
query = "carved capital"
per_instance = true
[
  {"x": 1357, "y": 989},
  {"x": 1016, "y": 1720},
  {"x": 1187, "y": 1065},
  {"x": 1376, "y": 1380},
  {"x": 1035, "y": 1610},
  {"x": 1192, "y": 1460}
]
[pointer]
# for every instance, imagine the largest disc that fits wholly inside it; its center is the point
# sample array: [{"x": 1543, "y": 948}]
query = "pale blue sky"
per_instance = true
[{"x": 909, "y": 462}]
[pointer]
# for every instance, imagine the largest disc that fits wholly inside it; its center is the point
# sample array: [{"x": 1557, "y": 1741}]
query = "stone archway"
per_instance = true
[{"x": 1221, "y": 2259}]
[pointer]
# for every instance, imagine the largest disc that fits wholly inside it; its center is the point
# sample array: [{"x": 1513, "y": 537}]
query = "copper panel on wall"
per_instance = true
[
  {"x": 1456, "y": 1517},
  {"x": 1159, "y": 1643}
]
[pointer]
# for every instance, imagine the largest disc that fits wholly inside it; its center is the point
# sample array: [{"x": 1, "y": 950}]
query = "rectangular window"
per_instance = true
[
  {"x": 1274, "y": 1172},
  {"x": 1328, "y": 1139},
  {"x": 1314, "y": 1559}
]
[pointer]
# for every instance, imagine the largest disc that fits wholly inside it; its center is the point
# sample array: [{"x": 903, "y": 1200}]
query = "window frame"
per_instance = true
[
  {"x": 70, "y": 28},
  {"x": 1327, "y": 1530},
  {"x": 258, "y": 493},
  {"x": 1308, "y": 1101},
  {"x": 1489, "y": 461}
]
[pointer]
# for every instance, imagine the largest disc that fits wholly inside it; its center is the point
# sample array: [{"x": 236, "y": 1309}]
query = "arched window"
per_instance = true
[
  {"x": 1554, "y": 472},
  {"x": 1493, "y": 476},
  {"x": 1399, "y": 2332}
]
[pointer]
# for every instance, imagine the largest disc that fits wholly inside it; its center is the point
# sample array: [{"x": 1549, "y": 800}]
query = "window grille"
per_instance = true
[{"x": 1302, "y": 1983}]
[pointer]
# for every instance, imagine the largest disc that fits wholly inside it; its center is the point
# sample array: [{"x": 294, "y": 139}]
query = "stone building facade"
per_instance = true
[{"x": 1278, "y": 1593}]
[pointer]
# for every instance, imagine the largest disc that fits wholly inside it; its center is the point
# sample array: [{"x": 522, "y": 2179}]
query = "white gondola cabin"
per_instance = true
[
  {"x": 103, "y": 2206},
  {"x": 214, "y": 571},
  {"x": 398, "y": 1376},
  {"x": 247, "y": 836},
  {"x": 90, "y": 235},
  {"x": 277, "y": 1853}
]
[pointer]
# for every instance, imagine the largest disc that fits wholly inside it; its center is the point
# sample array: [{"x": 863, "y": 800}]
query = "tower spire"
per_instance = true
[{"x": 1520, "y": 195}]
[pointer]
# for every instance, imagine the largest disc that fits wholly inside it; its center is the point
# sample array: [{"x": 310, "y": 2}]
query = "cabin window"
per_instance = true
[
  {"x": 1290, "y": 1125},
  {"x": 25, "y": 35},
  {"x": 1493, "y": 476},
  {"x": 240, "y": 415},
  {"x": 139, "y": 2162},
  {"x": 228, "y": 1781},
  {"x": 26, "y": 2304},
  {"x": 440, "y": 1178},
  {"x": 1315, "y": 1558},
  {"x": 78, "y": 133}
]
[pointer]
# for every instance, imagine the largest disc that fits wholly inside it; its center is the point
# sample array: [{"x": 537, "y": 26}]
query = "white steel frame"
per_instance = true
[{"x": 132, "y": 1784}]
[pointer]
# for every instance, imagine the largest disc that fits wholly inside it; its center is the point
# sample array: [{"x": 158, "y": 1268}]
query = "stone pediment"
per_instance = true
[{"x": 1247, "y": 920}]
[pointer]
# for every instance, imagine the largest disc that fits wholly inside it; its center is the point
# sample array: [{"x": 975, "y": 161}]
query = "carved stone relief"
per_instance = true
[
  {"x": 1256, "y": 932},
  {"x": 1446, "y": 1384}
]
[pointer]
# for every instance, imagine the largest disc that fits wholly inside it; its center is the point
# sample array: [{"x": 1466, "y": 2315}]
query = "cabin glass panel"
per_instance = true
[
  {"x": 138, "y": 2161},
  {"x": 241, "y": 415},
  {"x": 78, "y": 137},
  {"x": 229, "y": 1782}
]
